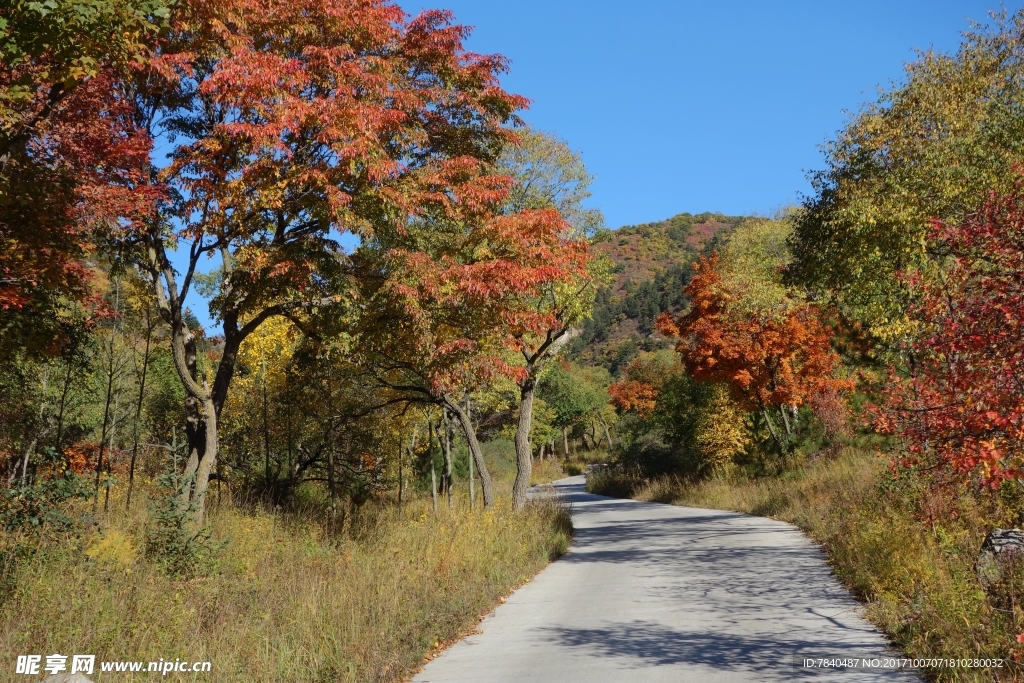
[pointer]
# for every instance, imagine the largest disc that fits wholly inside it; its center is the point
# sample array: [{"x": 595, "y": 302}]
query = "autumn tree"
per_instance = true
[
  {"x": 548, "y": 174},
  {"x": 448, "y": 300},
  {"x": 294, "y": 122},
  {"x": 746, "y": 329},
  {"x": 672, "y": 423},
  {"x": 48, "y": 49},
  {"x": 298, "y": 414},
  {"x": 959, "y": 409},
  {"x": 929, "y": 147},
  {"x": 576, "y": 396},
  {"x": 638, "y": 388},
  {"x": 69, "y": 156}
]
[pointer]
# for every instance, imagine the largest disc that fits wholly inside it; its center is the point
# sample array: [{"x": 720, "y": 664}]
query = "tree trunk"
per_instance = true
[
  {"x": 24, "y": 461},
  {"x": 449, "y": 472},
  {"x": 474, "y": 450},
  {"x": 138, "y": 411},
  {"x": 472, "y": 475},
  {"x": 106, "y": 416},
  {"x": 39, "y": 433},
  {"x": 775, "y": 436},
  {"x": 266, "y": 429},
  {"x": 401, "y": 446},
  {"x": 524, "y": 455},
  {"x": 110, "y": 446},
  {"x": 195, "y": 438},
  {"x": 565, "y": 442},
  {"x": 607, "y": 434},
  {"x": 332, "y": 489},
  {"x": 65, "y": 392},
  {"x": 200, "y": 419},
  {"x": 433, "y": 475},
  {"x": 208, "y": 461},
  {"x": 785, "y": 421}
]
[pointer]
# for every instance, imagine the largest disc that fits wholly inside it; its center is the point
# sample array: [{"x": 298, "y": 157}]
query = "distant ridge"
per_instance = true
[{"x": 651, "y": 263}]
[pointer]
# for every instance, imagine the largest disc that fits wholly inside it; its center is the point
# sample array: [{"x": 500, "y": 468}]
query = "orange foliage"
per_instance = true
[
  {"x": 766, "y": 359},
  {"x": 630, "y": 396},
  {"x": 76, "y": 456}
]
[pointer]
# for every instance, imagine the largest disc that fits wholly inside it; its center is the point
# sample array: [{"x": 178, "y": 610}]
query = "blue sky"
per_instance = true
[{"x": 703, "y": 106}]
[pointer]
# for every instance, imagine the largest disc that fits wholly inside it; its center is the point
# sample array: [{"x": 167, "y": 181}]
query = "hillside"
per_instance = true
[{"x": 651, "y": 264}]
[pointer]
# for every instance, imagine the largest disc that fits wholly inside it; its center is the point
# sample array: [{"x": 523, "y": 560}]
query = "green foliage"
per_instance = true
[
  {"x": 549, "y": 174},
  {"x": 164, "y": 399},
  {"x": 42, "y": 503},
  {"x": 573, "y": 393},
  {"x": 932, "y": 147},
  {"x": 753, "y": 262},
  {"x": 677, "y": 229},
  {"x": 652, "y": 263},
  {"x": 695, "y": 429},
  {"x": 76, "y": 36},
  {"x": 65, "y": 42}
]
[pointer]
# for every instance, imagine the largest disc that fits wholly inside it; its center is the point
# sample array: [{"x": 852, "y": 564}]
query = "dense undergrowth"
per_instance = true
[
  {"x": 907, "y": 551},
  {"x": 285, "y": 597}
]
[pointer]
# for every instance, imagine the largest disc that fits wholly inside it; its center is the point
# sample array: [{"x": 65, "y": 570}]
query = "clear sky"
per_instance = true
[{"x": 700, "y": 105}]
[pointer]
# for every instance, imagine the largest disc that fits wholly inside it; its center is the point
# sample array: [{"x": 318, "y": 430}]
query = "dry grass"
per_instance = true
[
  {"x": 545, "y": 471},
  {"x": 554, "y": 468},
  {"x": 908, "y": 554},
  {"x": 288, "y": 601}
]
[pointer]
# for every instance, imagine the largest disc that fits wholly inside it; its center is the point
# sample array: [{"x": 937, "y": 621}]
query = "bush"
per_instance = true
[
  {"x": 573, "y": 468},
  {"x": 614, "y": 481},
  {"x": 43, "y": 502}
]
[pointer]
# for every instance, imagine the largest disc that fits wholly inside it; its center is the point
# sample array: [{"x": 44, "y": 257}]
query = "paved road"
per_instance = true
[{"x": 653, "y": 593}]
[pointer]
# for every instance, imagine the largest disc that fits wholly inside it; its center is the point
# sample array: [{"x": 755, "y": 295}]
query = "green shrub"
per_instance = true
[
  {"x": 42, "y": 502},
  {"x": 173, "y": 541}
]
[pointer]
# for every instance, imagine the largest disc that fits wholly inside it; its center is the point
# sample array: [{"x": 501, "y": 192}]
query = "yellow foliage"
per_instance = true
[
  {"x": 111, "y": 547},
  {"x": 752, "y": 263},
  {"x": 720, "y": 432},
  {"x": 265, "y": 355}
]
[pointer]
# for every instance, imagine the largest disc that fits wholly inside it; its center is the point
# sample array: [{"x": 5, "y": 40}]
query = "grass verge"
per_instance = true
[
  {"x": 907, "y": 552},
  {"x": 287, "y": 601}
]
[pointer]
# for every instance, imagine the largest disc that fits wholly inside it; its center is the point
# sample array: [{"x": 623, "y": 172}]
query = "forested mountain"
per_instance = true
[{"x": 650, "y": 265}]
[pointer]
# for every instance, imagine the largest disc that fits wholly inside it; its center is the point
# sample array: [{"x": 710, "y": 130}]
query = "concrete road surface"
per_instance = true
[{"x": 653, "y": 593}]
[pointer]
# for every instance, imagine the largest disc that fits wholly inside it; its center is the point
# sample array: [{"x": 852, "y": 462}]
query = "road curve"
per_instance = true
[{"x": 653, "y": 593}]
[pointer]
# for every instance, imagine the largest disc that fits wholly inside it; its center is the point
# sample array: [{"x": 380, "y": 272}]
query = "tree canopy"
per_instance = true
[{"x": 928, "y": 148}]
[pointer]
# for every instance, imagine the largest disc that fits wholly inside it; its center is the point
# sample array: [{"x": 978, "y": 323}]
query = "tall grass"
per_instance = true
[
  {"x": 546, "y": 470},
  {"x": 907, "y": 552},
  {"x": 288, "y": 600}
]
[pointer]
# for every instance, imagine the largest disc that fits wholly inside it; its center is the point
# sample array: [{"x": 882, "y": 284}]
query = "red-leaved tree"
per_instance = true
[
  {"x": 772, "y": 361},
  {"x": 450, "y": 302},
  {"x": 78, "y": 175},
  {"x": 296, "y": 121},
  {"x": 960, "y": 408},
  {"x": 71, "y": 155}
]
